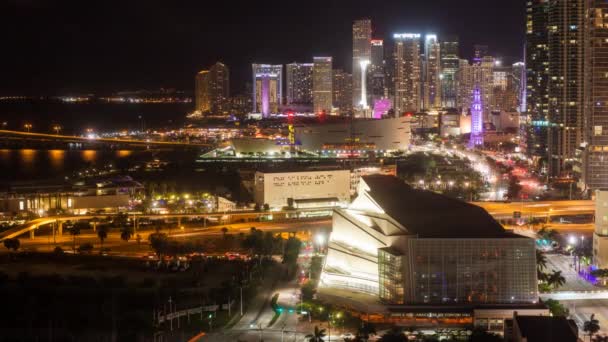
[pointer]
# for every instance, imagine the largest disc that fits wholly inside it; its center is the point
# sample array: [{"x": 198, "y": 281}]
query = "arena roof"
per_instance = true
[{"x": 431, "y": 215}]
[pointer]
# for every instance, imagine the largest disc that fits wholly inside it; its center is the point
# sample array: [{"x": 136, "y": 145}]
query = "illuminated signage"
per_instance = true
[{"x": 406, "y": 35}]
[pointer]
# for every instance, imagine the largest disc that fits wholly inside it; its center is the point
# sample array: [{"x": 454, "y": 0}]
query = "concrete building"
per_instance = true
[
  {"x": 305, "y": 189},
  {"x": 212, "y": 90},
  {"x": 362, "y": 37},
  {"x": 370, "y": 135},
  {"x": 432, "y": 72},
  {"x": 322, "y": 80},
  {"x": 267, "y": 88},
  {"x": 342, "y": 92},
  {"x": 596, "y": 107},
  {"x": 413, "y": 247},
  {"x": 299, "y": 83},
  {"x": 600, "y": 236},
  {"x": 408, "y": 70}
]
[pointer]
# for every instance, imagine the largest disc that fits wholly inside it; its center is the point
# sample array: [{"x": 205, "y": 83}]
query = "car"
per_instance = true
[{"x": 347, "y": 335}]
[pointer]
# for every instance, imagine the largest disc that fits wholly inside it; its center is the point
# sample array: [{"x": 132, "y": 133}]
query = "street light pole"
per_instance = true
[{"x": 241, "y": 300}]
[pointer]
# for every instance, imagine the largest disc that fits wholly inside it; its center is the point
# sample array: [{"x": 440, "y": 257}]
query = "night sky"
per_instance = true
[{"x": 58, "y": 47}]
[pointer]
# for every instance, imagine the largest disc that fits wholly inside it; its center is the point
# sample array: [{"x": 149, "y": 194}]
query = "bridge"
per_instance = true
[
  {"x": 17, "y": 138},
  {"x": 57, "y": 222}
]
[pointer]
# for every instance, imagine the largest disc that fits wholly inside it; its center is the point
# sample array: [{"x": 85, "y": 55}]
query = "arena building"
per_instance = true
[{"x": 414, "y": 247}]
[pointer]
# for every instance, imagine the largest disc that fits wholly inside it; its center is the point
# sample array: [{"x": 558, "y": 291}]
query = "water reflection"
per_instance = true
[
  {"x": 57, "y": 159},
  {"x": 123, "y": 153},
  {"x": 28, "y": 159},
  {"x": 89, "y": 156}
]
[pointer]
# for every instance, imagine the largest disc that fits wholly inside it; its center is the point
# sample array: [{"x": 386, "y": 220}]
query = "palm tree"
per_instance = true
[
  {"x": 126, "y": 233},
  {"x": 592, "y": 326},
  {"x": 317, "y": 336},
  {"x": 556, "y": 279},
  {"x": 102, "y": 234},
  {"x": 541, "y": 260},
  {"x": 74, "y": 231}
]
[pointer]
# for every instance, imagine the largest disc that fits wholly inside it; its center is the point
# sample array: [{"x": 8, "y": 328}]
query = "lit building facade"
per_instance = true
[
  {"x": 537, "y": 80},
  {"x": 596, "y": 100},
  {"x": 202, "y": 94},
  {"x": 449, "y": 68},
  {"x": 392, "y": 243},
  {"x": 565, "y": 83},
  {"x": 476, "y": 120},
  {"x": 407, "y": 73},
  {"x": 212, "y": 90},
  {"x": 377, "y": 76},
  {"x": 479, "y": 52},
  {"x": 267, "y": 88},
  {"x": 362, "y": 37},
  {"x": 432, "y": 71},
  {"x": 342, "y": 92},
  {"x": 322, "y": 92},
  {"x": 299, "y": 83},
  {"x": 600, "y": 235}
]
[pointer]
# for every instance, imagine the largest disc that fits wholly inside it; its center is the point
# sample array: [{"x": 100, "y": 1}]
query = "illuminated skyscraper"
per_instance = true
[
  {"x": 212, "y": 90},
  {"x": 449, "y": 67},
  {"x": 362, "y": 37},
  {"x": 566, "y": 62},
  {"x": 476, "y": 120},
  {"x": 299, "y": 83},
  {"x": 377, "y": 78},
  {"x": 343, "y": 92},
  {"x": 407, "y": 72},
  {"x": 322, "y": 85},
  {"x": 596, "y": 110},
  {"x": 202, "y": 97},
  {"x": 479, "y": 52},
  {"x": 537, "y": 80},
  {"x": 267, "y": 88},
  {"x": 432, "y": 89}
]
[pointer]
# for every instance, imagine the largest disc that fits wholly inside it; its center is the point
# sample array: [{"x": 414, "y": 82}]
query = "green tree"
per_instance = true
[
  {"x": 481, "y": 335},
  {"x": 592, "y": 326},
  {"x": 556, "y": 279},
  {"x": 159, "y": 242},
  {"x": 126, "y": 233},
  {"x": 393, "y": 335},
  {"x": 12, "y": 244},
  {"x": 365, "y": 331},
  {"x": 102, "y": 234},
  {"x": 317, "y": 336},
  {"x": 74, "y": 231},
  {"x": 556, "y": 308},
  {"x": 541, "y": 260}
]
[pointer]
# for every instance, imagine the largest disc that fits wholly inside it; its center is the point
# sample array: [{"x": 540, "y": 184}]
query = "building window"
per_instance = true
[{"x": 597, "y": 130}]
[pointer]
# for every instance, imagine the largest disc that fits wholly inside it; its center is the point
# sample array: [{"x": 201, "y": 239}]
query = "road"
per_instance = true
[{"x": 538, "y": 209}]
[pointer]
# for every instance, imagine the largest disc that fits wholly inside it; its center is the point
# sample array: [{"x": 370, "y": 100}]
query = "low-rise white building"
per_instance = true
[{"x": 304, "y": 189}]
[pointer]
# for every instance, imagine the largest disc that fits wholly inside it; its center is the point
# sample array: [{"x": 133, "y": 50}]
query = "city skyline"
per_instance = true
[{"x": 152, "y": 53}]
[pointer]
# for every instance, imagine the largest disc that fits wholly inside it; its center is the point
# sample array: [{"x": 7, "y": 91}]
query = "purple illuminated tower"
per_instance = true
[{"x": 476, "y": 120}]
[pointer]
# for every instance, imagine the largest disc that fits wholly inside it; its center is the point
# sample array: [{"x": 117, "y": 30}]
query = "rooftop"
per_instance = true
[
  {"x": 431, "y": 215},
  {"x": 547, "y": 328}
]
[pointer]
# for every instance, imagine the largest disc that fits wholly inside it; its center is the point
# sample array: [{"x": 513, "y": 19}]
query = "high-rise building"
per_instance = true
[
  {"x": 212, "y": 90},
  {"x": 377, "y": 76},
  {"x": 537, "y": 80},
  {"x": 600, "y": 236},
  {"x": 566, "y": 62},
  {"x": 596, "y": 103},
  {"x": 465, "y": 83},
  {"x": 476, "y": 120},
  {"x": 299, "y": 83},
  {"x": 519, "y": 82},
  {"x": 267, "y": 88},
  {"x": 322, "y": 93},
  {"x": 432, "y": 71},
  {"x": 343, "y": 92},
  {"x": 449, "y": 67},
  {"x": 479, "y": 52},
  {"x": 202, "y": 96},
  {"x": 362, "y": 37},
  {"x": 407, "y": 73}
]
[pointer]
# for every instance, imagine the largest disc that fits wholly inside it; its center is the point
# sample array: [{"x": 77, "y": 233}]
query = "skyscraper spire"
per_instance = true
[{"x": 476, "y": 120}]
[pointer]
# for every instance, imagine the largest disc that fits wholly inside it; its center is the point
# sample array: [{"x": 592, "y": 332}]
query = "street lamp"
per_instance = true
[
  {"x": 57, "y": 128},
  {"x": 27, "y": 127}
]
